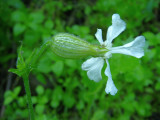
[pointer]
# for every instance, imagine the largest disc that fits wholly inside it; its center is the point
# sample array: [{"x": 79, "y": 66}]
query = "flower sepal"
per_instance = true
[{"x": 73, "y": 47}]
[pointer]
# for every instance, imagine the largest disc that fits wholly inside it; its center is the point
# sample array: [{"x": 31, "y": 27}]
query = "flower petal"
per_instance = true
[
  {"x": 110, "y": 87},
  {"x": 134, "y": 48},
  {"x": 115, "y": 29},
  {"x": 99, "y": 36},
  {"x": 94, "y": 67}
]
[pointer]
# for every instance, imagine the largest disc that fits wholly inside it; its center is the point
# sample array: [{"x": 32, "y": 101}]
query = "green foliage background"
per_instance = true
[{"x": 60, "y": 89}]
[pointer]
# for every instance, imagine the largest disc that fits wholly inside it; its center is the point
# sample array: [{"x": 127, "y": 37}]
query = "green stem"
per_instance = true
[
  {"x": 25, "y": 67},
  {"x": 40, "y": 52},
  {"x": 28, "y": 92},
  {"x": 34, "y": 60}
]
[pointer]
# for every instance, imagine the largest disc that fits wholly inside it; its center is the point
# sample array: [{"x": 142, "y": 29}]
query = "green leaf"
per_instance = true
[
  {"x": 39, "y": 108},
  {"x": 18, "y": 16},
  {"x": 40, "y": 90},
  {"x": 30, "y": 37},
  {"x": 44, "y": 65},
  {"x": 56, "y": 97},
  {"x": 22, "y": 68},
  {"x": 98, "y": 115},
  {"x": 17, "y": 90},
  {"x": 71, "y": 63},
  {"x": 41, "y": 78},
  {"x": 18, "y": 29},
  {"x": 8, "y": 97},
  {"x": 15, "y": 71},
  {"x": 20, "y": 60},
  {"x": 151, "y": 38},
  {"x": 54, "y": 103},
  {"x": 80, "y": 105},
  {"x": 18, "y": 4},
  {"x": 35, "y": 27},
  {"x": 157, "y": 87},
  {"x": 8, "y": 100},
  {"x": 49, "y": 24},
  {"x": 68, "y": 100},
  {"x": 7, "y": 93},
  {"x": 57, "y": 68},
  {"x": 36, "y": 17},
  {"x": 22, "y": 101},
  {"x": 43, "y": 100},
  {"x": 34, "y": 99}
]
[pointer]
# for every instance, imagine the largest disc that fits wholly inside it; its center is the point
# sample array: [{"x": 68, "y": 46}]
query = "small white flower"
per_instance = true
[{"x": 93, "y": 66}]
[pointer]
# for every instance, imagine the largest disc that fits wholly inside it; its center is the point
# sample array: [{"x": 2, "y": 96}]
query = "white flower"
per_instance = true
[{"x": 93, "y": 66}]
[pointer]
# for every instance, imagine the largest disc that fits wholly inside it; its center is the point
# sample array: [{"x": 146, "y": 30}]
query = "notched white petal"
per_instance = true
[
  {"x": 93, "y": 66},
  {"x": 99, "y": 36},
  {"x": 118, "y": 26},
  {"x": 110, "y": 87},
  {"x": 134, "y": 48}
]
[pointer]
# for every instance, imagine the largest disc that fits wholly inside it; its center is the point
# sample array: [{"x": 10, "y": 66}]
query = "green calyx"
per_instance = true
[{"x": 70, "y": 46}]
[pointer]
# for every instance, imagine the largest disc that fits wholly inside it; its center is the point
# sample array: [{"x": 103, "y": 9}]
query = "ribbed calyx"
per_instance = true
[{"x": 70, "y": 46}]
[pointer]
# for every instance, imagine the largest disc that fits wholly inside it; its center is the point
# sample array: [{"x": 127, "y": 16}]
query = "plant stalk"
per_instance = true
[
  {"x": 28, "y": 93},
  {"x": 34, "y": 60}
]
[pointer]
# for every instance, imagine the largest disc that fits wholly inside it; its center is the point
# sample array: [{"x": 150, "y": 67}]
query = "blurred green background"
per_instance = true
[{"x": 60, "y": 89}]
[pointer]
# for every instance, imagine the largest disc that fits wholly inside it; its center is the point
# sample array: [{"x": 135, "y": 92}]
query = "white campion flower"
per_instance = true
[{"x": 94, "y": 65}]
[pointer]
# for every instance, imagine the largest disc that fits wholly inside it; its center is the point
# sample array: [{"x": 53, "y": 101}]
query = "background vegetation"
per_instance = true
[{"x": 60, "y": 89}]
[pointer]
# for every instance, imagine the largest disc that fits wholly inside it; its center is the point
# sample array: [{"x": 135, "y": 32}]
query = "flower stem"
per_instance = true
[
  {"x": 29, "y": 66},
  {"x": 24, "y": 67},
  {"x": 28, "y": 93},
  {"x": 40, "y": 52}
]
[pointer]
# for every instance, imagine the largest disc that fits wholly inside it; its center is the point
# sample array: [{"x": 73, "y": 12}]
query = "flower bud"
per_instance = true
[{"x": 70, "y": 46}]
